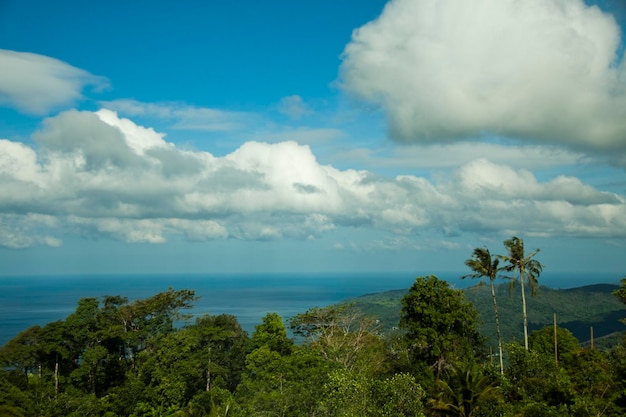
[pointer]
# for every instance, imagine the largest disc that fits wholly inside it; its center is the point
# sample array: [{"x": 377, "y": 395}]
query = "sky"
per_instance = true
[{"x": 310, "y": 136}]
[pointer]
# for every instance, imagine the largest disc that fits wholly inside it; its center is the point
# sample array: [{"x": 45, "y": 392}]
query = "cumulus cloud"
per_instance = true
[
  {"x": 98, "y": 175},
  {"x": 496, "y": 197},
  {"x": 540, "y": 70},
  {"x": 37, "y": 84}
]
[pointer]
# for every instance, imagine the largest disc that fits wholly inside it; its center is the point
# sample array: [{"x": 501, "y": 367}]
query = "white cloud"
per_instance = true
[
  {"x": 138, "y": 138},
  {"x": 18, "y": 161},
  {"x": 542, "y": 70},
  {"x": 496, "y": 197},
  {"x": 452, "y": 155},
  {"x": 19, "y": 231},
  {"x": 484, "y": 179},
  {"x": 185, "y": 117},
  {"x": 149, "y": 230},
  {"x": 38, "y": 84},
  {"x": 96, "y": 174}
]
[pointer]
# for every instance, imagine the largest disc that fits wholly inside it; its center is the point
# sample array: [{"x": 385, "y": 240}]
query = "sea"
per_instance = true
[{"x": 27, "y": 301}]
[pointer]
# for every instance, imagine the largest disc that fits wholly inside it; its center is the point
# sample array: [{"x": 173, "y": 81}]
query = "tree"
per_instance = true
[
  {"x": 282, "y": 385},
  {"x": 21, "y": 354},
  {"x": 342, "y": 335},
  {"x": 204, "y": 357},
  {"x": 617, "y": 362},
  {"x": 54, "y": 348},
  {"x": 542, "y": 342},
  {"x": 156, "y": 315},
  {"x": 223, "y": 346},
  {"x": 463, "y": 392},
  {"x": 620, "y": 293},
  {"x": 441, "y": 325},
  {"x": 272, "y": 333},
  {"x": 596, "y": 389},
  {"x": 348, "y": 394},
  {"x": 484, "y": 265},
  {"x": 528, "y": 272},
  {"x": 535, "y": 383}
]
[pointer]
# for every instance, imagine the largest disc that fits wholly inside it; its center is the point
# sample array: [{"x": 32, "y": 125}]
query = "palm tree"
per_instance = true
[
  {"x": 529, "y": 270},
  {"x": 463, "y": 392},
  {"x": 483, "y": 266}
]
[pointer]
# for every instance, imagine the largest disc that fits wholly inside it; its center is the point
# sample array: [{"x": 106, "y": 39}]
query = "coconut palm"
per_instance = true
[
  {"x": 528, "y": 272},
  {"x": 486, "y": 266}
]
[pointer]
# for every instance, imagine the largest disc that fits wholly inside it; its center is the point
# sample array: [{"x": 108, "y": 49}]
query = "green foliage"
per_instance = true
[
  {"x": 399, "y": 396},
  {"x": 344, "y": 336},
  {"x": 485, "y": 266},
  {"x": 14, "y": 400},
  {"x": 617, "y": 365},
  {"x": 441, "y": 325},
  {"x": 282, "y": 385},
  {"x": 542, "y": 342},
  {"x": 601, "y": 310},
  {"x": 584, "y": 383},
  {"x": 351, "y": 394},
  {"x": 589, "y": 371},
  {"x": 115, "y": 358},
  {"x": 92, "y": 354},
  {"x": 273, "y": 334},
  {"x": 528, "y": 271},
  {"x": 620, "y": 293},
  {"x": 463, "y": 392},
  {"x": 534, "y": 377}
]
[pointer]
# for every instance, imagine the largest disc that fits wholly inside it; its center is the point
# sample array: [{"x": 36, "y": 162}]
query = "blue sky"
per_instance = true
[{"x": 282, "y": 136}]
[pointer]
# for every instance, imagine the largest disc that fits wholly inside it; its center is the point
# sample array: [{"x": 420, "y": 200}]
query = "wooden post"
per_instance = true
[
  {"x": 591, "y": 330},
  {"x": 556, "y": 348}
]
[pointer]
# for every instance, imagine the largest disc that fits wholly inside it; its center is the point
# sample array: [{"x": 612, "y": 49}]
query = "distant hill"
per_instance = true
[{"x": 577, "y": 309}]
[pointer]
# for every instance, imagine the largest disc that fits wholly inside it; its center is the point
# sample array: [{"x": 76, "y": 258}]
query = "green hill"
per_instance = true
[{"x": 577, "y": 309}]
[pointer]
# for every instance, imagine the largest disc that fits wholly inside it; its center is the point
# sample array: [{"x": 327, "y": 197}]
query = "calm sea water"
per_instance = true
[{"x": 36, "y": 300}]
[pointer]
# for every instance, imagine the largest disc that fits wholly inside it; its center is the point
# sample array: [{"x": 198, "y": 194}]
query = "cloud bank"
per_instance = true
[
  {"x": 37, "y": 84},
  {"x": 97, "y": 175},
  {"x": 541, "y": 70}
]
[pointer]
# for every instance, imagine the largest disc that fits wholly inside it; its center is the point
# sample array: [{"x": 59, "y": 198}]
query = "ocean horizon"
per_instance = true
[{"x": 31, "y": 300}]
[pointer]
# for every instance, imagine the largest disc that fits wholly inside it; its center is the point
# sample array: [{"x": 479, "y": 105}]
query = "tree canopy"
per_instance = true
[{"x": 114, "y": 357}]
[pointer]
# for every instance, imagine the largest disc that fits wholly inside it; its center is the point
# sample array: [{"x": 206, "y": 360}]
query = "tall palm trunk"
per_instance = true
[
  {"x": 484, "y": 265},
  {"x": 524, "y": 315},
  {"x": 528, "y": 268},
  {"x": 495, "y": 309}
]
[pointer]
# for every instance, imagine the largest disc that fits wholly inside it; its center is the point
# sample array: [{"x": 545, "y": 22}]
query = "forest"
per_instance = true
[{"x": 114, "y": 357}]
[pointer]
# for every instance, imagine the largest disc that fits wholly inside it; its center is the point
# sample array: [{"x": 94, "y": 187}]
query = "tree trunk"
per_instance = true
[
  {"x": 524, "y": 315},
  {"x": 495, "y": 308},
  {"x": 556, "y": 345},
  {"x": 208, "y": 373},
  {"x": 56, "y": 374}
]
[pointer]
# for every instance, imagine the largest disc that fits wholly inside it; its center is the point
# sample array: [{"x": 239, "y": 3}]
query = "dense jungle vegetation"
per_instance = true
[
  {"x": 115, "y": 357},
  {"x": 581, "y": 310}
]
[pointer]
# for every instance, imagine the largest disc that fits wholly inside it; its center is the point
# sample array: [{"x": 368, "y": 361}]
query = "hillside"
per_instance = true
[{"x": 577, "y": 309}]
